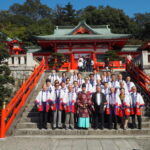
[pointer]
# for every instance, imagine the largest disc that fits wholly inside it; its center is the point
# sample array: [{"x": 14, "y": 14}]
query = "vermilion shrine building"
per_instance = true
[{"x": 81, "y": 40}]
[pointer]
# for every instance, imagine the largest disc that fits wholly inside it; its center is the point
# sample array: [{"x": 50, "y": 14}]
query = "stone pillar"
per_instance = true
[
  {"x": 22, "y": 60},
  {"x": 10, "y": 61},
  {"x": 144, "y": 59},
  {"x": 16, "y": 60},
  {"x": 30, "y": 61}
]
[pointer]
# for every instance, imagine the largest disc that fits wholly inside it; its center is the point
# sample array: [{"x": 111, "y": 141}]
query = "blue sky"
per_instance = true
[{"x": 130, "y": 7}]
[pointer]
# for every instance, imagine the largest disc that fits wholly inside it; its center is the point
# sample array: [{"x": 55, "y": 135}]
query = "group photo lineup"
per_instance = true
[{"x": 74, "y": 75}]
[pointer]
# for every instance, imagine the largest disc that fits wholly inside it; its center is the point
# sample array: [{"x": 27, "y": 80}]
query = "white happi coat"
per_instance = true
[
  {"x": 130, "y": 85},
  {"x": 76, "y": 89},
  {"x": 73, "y": 78},
  {"x": 115, "y": 100},
  {"x": 125, "y": 88},
  {"x": 137, "y": 99},
  {"x": 104, "y": 79},
  {"x": 127, "y": 100},
  {"x": 108, "y": 79},
  {"x": 61, "y": 79},
  {"x": 89, "y": 88},
  {"x": 65, "y": 89},
  {"x": 114, "y": 84},
  {"x": 123, "y": 82},
  {"x": 106, "y": 91},
  {"x": 50, "y": 88},
  {"x": 54, "y": 98},
  {"x": 72, "y": 98},
  {"x": 97, "y": 77},
  {"x": 43, "y": 96},
  {"x": 54, "y": 77},
  {"x": 80, "y": 82}
]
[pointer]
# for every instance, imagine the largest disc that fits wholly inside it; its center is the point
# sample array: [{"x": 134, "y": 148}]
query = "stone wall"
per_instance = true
[{"x": 21, "y": 67}]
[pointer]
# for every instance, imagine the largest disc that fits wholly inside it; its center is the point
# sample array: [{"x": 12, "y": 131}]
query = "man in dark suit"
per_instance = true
[{"x": 99, "y": 102}]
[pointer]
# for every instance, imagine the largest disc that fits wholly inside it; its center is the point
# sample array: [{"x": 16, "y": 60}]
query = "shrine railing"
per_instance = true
[
  {"x": 113, "y": 65},
  {"x": 10, "y": 110},
  {"x": 141, "y": 78}
]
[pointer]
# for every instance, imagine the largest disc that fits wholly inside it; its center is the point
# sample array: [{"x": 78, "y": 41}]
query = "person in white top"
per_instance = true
[
  {"x": 57, "y": 105},
  {"x": 64, "y": 87},
  {"x": 122, "y": 85},
  {"x": 124, "y": 108},
  {"x": 114, "y": 83},
  {"x": 137, "y": 103},
  {"x": 80, "y": 80},
  {"x": 129, "y": 83},
  {"x": 68, "y": 82},
  {"x": 103, "y": 78},
  {"x": 69, "y": 106},
  {"x": 63, "y": 77},
  {"x": 80, "y": 65},
  {"x": 42, "y": 103},
  {"x": 88, "y": 85},
  {"x": 74, "y": 77},
  {"x": 50, "y": 87},
  {"x": 114, "y": 103},
  {"x": 76, "y": 88},
  {"x": 92, "y": 80},
  {"x": 108, "y": 76},
  {"x": 120, "y": 79},
  {"x": 53, "y": 76},
  {"x": 96, "y": 75},
  {"x": 106, "y": 89}
]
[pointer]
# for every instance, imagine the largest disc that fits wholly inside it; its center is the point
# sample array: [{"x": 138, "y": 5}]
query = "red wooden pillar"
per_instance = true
[
  {"x": 109, "y": 46},
  {"x": 2, "y": 121},
  {"x": 46, "y": 63},
  {"x": 94, "y": 55},
  {"x": 72, "y": 61},
  {"x": 71, "y": 56},
  {"x": 94, "y": 58}
]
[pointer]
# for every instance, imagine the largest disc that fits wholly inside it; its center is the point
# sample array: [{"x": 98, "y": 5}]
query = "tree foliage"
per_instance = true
[
  {"x": 56, "y": 60},
  {"x": 34, "y": 18},
  {"x": 5, "y": 78}
]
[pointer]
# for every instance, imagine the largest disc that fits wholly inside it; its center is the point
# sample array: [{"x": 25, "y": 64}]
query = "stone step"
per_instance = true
[
  {"x": 82, "y": 132},
  {"x": 49, "y": 125},
  {"x": 34, "y": 113},
  {"x": 35, "y": 119}
]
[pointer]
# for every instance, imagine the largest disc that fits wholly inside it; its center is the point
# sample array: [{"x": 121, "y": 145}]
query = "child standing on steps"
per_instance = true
[{"x": 42, "y": 103}]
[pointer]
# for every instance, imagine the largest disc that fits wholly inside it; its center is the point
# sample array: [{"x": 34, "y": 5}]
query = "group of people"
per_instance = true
[
  {"x": 77, "y": 102},
  {"x": 85, "y": 64}
]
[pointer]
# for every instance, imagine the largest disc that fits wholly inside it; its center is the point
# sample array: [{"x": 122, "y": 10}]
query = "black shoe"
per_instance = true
[
  {"x": 54, "y": 128},
  {"x": 115, "y": 127},
  {"x": 72, "y": 128},
  {"x": 45, "y": 127},
  {"x": 134, "y": 126},
  {"x": 59, "y": 127},
  {"x": 102, "y": 128}
]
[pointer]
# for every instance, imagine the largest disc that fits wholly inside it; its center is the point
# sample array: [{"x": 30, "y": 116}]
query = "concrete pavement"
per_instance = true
[{"x": 45, "y": 143}]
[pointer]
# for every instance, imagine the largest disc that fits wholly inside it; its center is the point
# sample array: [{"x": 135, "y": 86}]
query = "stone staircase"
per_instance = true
[{"x": 27, "y": 125}]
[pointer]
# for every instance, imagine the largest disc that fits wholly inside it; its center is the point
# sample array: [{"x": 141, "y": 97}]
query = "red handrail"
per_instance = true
[
  {"x": 141, "y": 78},
  {"x": 10, "y": 111}
]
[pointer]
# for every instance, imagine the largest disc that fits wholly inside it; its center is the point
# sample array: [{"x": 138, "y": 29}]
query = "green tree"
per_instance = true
[
  {"x": 5, "y": 78},
  {"x": 143, "y": 22},
  {"x": 56, "y": 60},
  {"x": 31, "y": 8}
]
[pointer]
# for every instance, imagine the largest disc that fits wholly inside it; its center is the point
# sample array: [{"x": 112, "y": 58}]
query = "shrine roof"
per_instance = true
[{"x": 82, "y": 31}]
